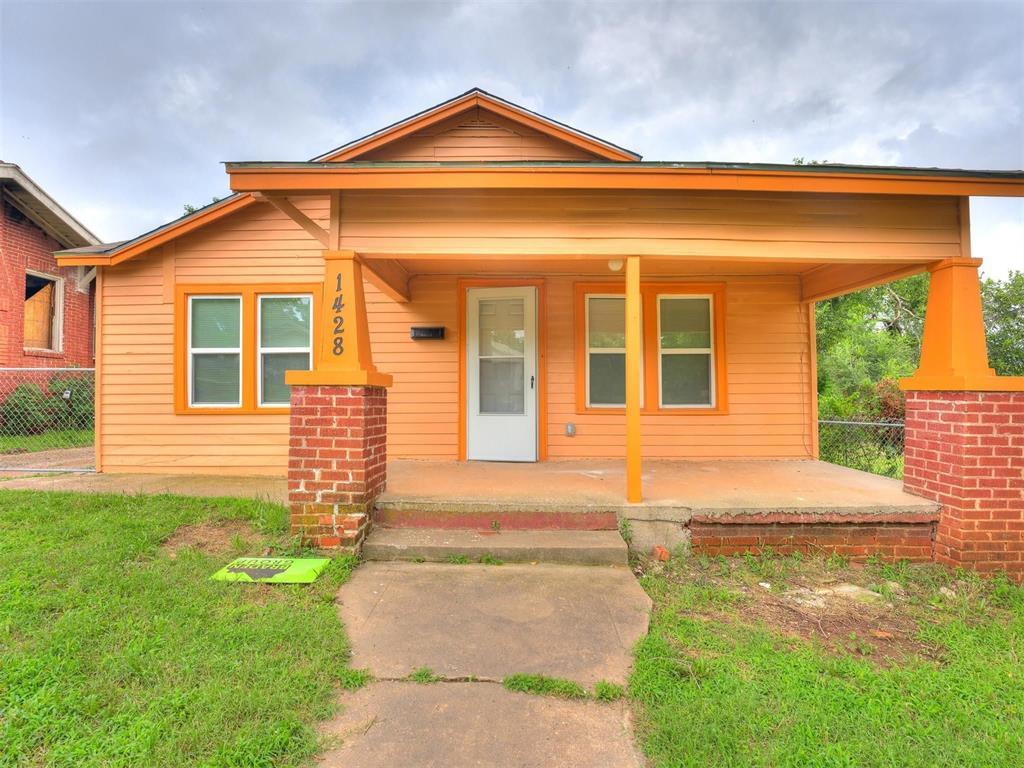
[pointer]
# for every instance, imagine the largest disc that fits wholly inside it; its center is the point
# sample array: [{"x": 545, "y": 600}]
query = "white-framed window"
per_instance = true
[
  {"x": 215, "y": 351},
  {"x": 686, "y": 351},
  {"x": 605, "y": 331},
  {"x": 284, "y": 339},
  {"x": 43, "y": 319}
]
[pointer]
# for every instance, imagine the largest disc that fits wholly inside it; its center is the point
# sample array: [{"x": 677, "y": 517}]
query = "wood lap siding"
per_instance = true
[
  {"x": 768, "y": 378},
  {"x": 423, "y": 406},
  {"x": 697, "y": 225},
  {"x": 477, "y": 135},
  {"x": 769, "y": 370},
  {"x": 141, "y": 432}
]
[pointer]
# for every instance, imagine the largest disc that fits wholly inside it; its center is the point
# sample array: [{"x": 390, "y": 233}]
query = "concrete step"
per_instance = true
[
  {"x": 440, "y": 546},
  {"x": 482, "y": 516}
]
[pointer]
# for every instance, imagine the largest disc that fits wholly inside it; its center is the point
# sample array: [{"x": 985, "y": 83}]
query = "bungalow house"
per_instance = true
[{"x": 555, "y": 333}]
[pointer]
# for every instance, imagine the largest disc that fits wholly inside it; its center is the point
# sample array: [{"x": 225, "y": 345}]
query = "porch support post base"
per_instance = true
[
  {"x": 337, "y": 462},
  {"x": 965, "y": 450}
]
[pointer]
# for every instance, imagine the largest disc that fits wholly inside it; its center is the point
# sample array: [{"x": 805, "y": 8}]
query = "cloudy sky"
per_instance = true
[{"x": 123, "y": 111}]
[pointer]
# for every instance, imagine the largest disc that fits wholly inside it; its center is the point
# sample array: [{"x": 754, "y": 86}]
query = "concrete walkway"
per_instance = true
[
  {"x": 266, "y": 488},
  {"x": 81, "y": 458},
  {"x": 491, "y": 621},
  {"x": 453, "y": 725},
  {"x": 474, "y": 625}
]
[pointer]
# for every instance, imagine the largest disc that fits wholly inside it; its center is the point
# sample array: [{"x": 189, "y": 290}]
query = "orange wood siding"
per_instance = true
[
  {"x": 767, "y": 328},
  {"x": 478, "y": 134},
  {"x": 776, "y": 227},
  {"x": 140, "y": 430}
]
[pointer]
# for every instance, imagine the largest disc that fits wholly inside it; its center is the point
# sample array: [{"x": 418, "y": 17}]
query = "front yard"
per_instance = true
[
  {"x": 774, "y": 661},
  {"x": 116, "y": 649}
]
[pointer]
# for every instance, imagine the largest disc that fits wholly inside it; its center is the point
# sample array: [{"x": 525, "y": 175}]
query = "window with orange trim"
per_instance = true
[
  {"x": 233, "y": 345},
  {"x": 683, "y": 347}
]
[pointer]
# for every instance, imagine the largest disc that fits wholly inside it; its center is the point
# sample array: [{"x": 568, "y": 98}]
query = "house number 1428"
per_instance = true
[{"x": 338, "y": 346}]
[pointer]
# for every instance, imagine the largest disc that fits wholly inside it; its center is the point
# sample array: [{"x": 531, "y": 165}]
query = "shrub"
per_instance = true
[
  {"x": 27, "y": 411},
  {"x": 78, "y": 410},
  {"x": 892, "y": 403}
]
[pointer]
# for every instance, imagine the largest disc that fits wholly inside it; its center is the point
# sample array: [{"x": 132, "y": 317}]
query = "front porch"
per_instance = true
[
  {"x": 715, "y": 506},
  {"x": 671, "y": 487}
]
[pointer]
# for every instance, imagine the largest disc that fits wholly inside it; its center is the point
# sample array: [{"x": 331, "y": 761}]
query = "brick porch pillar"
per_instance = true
[
  {"x": 337, "y": 459},
  {"x": 337, "y": 446},
  {"x": 965, "y": 450},
  {"x": 965, "y": 427}
]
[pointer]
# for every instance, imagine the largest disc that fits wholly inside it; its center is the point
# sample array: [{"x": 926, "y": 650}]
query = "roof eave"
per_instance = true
[
  {"x": 47, "y": 212},
  {"x": 317, "y": 177}
]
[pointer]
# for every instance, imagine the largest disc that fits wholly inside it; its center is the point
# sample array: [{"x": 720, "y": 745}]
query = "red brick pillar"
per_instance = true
[
  {"x": 337, "y": 459},
  {"x": 965, "y": 450}
]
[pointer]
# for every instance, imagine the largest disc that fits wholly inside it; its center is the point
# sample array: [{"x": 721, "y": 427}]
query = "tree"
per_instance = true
[
  {"x": 190, "y": 209},
  {"x": 1003, "y": 305},
  {"x": 866, "y": 341}
]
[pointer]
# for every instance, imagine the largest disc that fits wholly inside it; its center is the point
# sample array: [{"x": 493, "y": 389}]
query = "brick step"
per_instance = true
[
  {"x": 440, "y": 546},
  {"x": 487, "y": 517}
]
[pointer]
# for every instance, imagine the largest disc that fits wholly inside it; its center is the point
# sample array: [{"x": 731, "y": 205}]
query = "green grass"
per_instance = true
[
  {"x": 715, "y": 688},
  {"x": 542, "y": 685},
  {"x": 424, "y": 675},
  {"x": 47, "y": 441},
  {"x": 113, "y": 653},
  {"x": 605, "y": 691}
]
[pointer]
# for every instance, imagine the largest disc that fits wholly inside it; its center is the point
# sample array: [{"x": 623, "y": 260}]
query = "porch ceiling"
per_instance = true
[{"x": 595, "y": 267}]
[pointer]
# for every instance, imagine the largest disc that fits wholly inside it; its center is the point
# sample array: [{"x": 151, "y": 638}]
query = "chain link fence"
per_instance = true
[
  {"x": 47, "y": 419},
  {"x": 871, "y": 446}
]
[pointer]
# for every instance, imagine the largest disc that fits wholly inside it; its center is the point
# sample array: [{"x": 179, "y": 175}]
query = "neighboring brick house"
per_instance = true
[{"x": 47, "y": 315}]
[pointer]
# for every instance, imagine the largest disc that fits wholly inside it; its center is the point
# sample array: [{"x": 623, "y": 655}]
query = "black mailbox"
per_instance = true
[{"x": 426, "y": 333}]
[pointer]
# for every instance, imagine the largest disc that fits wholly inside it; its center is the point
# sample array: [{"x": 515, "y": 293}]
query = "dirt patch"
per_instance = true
[
  {"x": 846, "y": 610},
  {"x": 212, "y": 538},
  {"x": 873, "y": 628}
]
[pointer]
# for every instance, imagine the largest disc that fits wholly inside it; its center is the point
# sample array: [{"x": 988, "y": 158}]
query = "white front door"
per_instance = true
[{"x": 501, "y": 374}]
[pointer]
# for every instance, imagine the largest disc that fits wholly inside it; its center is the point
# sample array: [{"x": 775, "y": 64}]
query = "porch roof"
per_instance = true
[{"x": 320, "y": 177}]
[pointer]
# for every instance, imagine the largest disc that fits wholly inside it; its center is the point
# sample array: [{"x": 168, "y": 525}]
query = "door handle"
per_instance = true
[{"x": 531, "y": 382}]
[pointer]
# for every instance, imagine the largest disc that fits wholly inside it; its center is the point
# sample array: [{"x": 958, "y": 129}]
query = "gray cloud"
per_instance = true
[{"x": 124, "y": 110}]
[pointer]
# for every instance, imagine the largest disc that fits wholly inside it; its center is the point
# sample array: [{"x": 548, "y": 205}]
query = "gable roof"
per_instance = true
[
  {"x": 613, "y": 167},
  {"x": 45, "y": 212},
  {"x": 109, "y": 254},
  {"x": 477, "y": 97}
]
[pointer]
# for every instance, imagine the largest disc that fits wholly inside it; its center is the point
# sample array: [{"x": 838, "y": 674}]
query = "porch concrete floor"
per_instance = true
[{"x": 694, "y": 487}]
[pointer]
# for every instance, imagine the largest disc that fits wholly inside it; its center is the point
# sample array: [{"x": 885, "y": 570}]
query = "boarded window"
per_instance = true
[{"x": 42, "y": 312}]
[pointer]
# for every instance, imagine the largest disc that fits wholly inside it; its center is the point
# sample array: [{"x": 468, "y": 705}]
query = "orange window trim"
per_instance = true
[
  {"x": 248, "y": 293},
  {"x": 542, "y": 369},
  {"x": 649, "y": 294}
]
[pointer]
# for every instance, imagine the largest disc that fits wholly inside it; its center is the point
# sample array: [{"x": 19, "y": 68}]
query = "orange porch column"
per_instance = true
[
  {"x": 634, "y": 359},
  {"x": 344, "y": 355},
  {"x": 953, "y": 353},
  {"x": 337, "y": 442}
]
